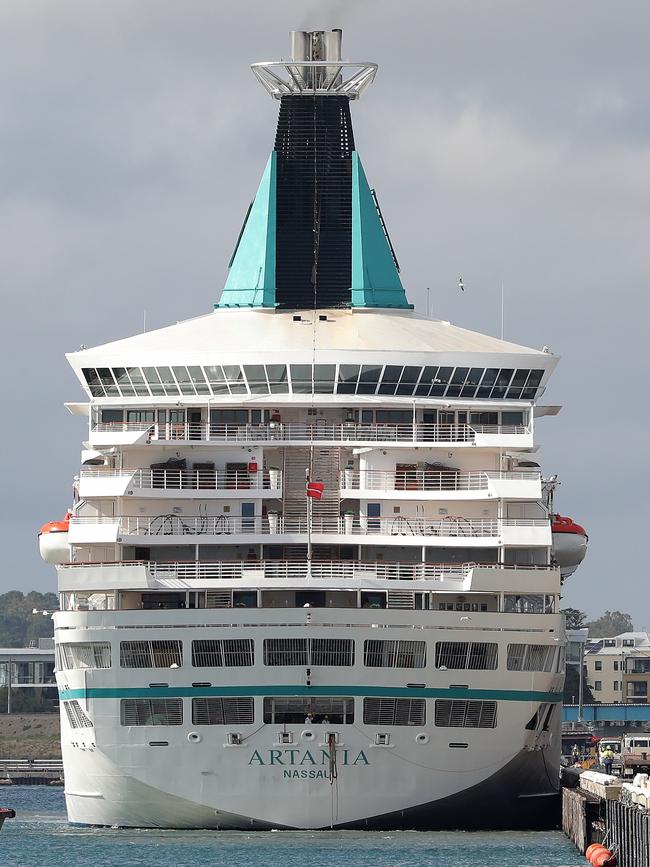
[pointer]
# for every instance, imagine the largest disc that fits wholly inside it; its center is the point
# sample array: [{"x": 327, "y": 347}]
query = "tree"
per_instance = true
[
  {"x": 611, "y": 623},
  {"x": 574, "y": 619},
  {"x": 18, "y": 626}
]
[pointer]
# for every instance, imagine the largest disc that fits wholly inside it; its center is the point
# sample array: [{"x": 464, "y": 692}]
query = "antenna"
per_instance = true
[
  {"x": 502, "y": 310},
  {"x": 144, "y": 321},
  {"x": 428, "y": 293}
]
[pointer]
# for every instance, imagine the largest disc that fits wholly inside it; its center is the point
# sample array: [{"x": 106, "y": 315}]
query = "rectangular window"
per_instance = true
[
  {"x": 616, "y": 665},
  {"x": 348, "y": 376},
  {"x": 368, "y": 379},
  {"x": 616, "y": 686},
  {"x": 394, "y": 654},
  {"x": 219, "y": 653},
  {"x": 459, "y": 713},
  {"x": 76, "y": 717},
  {"x": 256, "y": 376},
  {"x": 394, "y": 711},
  {"x": 123, "y": 382},
  {"x": 308, "y": 651},
  {"x": 112, "y": 416},
  {"x": 91, "y": 654},
  {"x": 151, "y": 711},
  {"x": 151, "y": 654},
  {"x": 598, "y": 685},
  {"x": 168, "y": 381},
  {"x": 598, "y": 665},
  {"x": 216, "y": 378},
  {"x": 472, "y": 655},
  {"x": 318, "y": 709},
  {"x": 277, "y": 376},
  {"x": 216, "y": 711},
  {"x": 184, "y": 380},
  {"x": 530, "y": 657}
]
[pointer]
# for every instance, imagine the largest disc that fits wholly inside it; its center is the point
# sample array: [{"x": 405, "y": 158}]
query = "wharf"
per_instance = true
[
  {"x": 31, "y": 772},
  {"x": 599, "y": 808},
  {"x": 6, "y": 813}
]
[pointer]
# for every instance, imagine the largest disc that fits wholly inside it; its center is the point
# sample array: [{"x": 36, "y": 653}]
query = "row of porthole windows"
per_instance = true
[{"x": 307, "y": 652}]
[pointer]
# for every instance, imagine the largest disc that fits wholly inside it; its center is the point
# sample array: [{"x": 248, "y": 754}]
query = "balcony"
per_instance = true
[
  {"x": 174, "y": 483},
  {"x": 394, "y": 530},
  {"x": 348, "y": 433},
  {"x": 440, "y": 485}
]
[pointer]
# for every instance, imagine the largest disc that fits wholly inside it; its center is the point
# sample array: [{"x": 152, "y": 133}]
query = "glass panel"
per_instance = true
[
  {"x": 198, "y": 380},
  {"x": 216, "y": 378},
  {"x": 370, "y": 375},
  {"x": 301, "y": 378},
  {"x": 92, "y": 380},
  {"x": 440, "y": 383},
  {"x": 348, "y": 375},
  {"x": 106, "y": 379},
  {"x": 183, "y": 380},
  {"x": 503, "y": 380},
  {"x": 324, "y": 376},
  {"x": 151, "y": 375},
  {"x": 472, "y": 381},
  {"x": 516, "y": 418},
  {"x": 426, "y": 380},
  {"x": 390, "y": 379},
  {"x": 123, "y": 382},
  {"x": 135, "y": 375},
  {"x": 168, "y": 381},
  {"x": 277, "y": 375},
  {"x": 256, "y": 376},
  {"x": 235, "y": 377}
]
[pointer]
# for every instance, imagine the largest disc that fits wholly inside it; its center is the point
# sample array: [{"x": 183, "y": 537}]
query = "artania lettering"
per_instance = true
[{"x": 297, "y": 758}]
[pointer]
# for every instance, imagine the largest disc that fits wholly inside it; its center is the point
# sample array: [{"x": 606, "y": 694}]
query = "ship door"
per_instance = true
[{"x": 194, "y": 421}]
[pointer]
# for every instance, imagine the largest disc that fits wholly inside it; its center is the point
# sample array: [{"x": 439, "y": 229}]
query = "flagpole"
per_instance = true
[
  {"x": 309, "y": 515},
  {"x": 502, "y": 310}
]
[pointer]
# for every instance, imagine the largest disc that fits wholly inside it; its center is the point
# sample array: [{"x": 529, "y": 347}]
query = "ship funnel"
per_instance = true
[
  {"x": 314, "y": 236},
  {"x": 315, "y": 68}
]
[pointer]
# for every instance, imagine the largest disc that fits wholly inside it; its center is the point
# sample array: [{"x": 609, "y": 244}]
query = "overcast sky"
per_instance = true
[{"x": 508, "y": 142}]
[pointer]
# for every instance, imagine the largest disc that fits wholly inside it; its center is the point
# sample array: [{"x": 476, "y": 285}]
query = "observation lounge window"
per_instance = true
[
  {"x": 277, "y": 377},
  {"x": 217, "y": 379},
  {"x": 457, "y": 381},
  {"x": 517, "y": 384},
  {"x": 441, "y": 382},
  {"x": 184, "y": 381},
  {"x": 472, "y": 381},
  {"x": 198, "y": 380},
  {"x": 390, "y": 379},
  {"x": 426, "y": 381},
  {"x": 123, "y": 382},
  {"x": 532, "y": 384},
  {"x": 348, "y": 376},
  {"x": 301, "y": 378},
  {"x": 369, "y": 379},
  {"x": 235, "y": 379},
  {"x": 487, "y": 383},
  {"x": 256, "y": 376},
  {"x": 92, "y": 381},
  {"x": 322, "y": 710},
  {"x": 168, "y": 381},
  {"x": 324, "y": 378},
  {"x": 153, "y": 381},
  {"x": 503, "y": 381},
  {"x": 106, "y": 379},
  {"x": 137, "y": 380}
]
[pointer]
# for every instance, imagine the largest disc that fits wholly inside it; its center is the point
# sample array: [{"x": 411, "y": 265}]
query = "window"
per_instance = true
[
  {"x": 530, "y": 657},
  {"x": 528, "y": 604},
  {"x": 394, "y": 711},
  {"x": 628, "y": 642},
  {"x": 92, "y": 654},
  {"x": 112, "y": 416},
  {"x": 474, "y": 655},
  {"x": 217, "y": 653},
  {"x": 616, "y": 686},
  {"x": 458, "y": 713},
  {"x": 616, "y": 665},
  {"x": 598, "y": 685},
  {"x": 609, "y": 642},
  {"x": 321, "y": 710},
  {"x": 151, "y": 654},
  {"x": 394, "y": 654},
  {"x": 76, "y": 717},
  {"x": 308, "y": 651},
  {"x": 216, "y": 711},
  {"x": 598, "y": 665},
  {"x": 151, "y": 711}
]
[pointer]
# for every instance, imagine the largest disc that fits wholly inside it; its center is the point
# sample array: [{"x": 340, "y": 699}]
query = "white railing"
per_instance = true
[
  {"x": 197, "y": 480},
  {"x": 427, "y": 480},
  {"x": 225, "y": 525},
  {"x": 325, "y": 432},
  {"x": 290, "y": 569}
]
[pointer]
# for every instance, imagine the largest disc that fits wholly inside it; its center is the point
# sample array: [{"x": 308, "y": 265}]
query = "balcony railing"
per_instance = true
[
  {"x": 323, "y": 432},
  {"x": 225, "y": 525},
  {"x": 428, "y": 480},
  {"x": 287, "y": 570},
  {"x": 196, "y": 480}
]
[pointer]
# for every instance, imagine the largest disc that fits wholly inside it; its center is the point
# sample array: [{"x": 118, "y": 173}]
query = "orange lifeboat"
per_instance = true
[
  {"x": 569, "y": 544},
  {"x": 53, "y": 540}
]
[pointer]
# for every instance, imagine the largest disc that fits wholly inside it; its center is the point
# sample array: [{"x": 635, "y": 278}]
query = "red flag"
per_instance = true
[{"x": 315, "y": 490}]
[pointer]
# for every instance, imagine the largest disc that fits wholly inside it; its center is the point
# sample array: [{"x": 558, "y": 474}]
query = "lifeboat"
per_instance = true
[
  {"x": 569, "y": 544},
  {"x": 53, "y": 540}
]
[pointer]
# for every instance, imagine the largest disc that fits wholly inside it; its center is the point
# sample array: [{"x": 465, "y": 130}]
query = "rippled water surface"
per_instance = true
[{"x": 40, "y": 835}]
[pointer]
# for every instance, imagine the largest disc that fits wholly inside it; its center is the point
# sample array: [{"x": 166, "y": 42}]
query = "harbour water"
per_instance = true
[{"x": 40, "y": 835}]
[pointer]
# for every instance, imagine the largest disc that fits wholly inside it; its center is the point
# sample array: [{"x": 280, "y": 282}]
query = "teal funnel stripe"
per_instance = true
[
  {"x": 375, "y": 281},
  {"x": 273, "y": 689},
  {"x": 251, "y": 279}
]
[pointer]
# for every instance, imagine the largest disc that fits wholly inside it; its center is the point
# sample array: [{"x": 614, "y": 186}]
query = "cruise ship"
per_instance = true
[{"x": 310, "y": 576}]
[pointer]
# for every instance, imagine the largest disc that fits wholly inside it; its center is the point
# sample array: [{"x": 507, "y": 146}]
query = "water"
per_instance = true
[{"x": 40, "y": 836}]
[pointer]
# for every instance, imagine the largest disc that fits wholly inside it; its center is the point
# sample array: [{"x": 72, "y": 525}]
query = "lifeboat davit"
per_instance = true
[
  {"x": 569, "y": 544},
  {"x": 53, "y": 540}
]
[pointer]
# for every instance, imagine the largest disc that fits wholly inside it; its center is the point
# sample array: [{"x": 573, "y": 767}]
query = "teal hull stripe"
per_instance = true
[{"x": 381, "y": 691}]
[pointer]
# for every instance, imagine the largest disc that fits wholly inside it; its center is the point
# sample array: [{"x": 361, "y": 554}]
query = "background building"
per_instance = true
[{"x": 618, "y": 668}]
